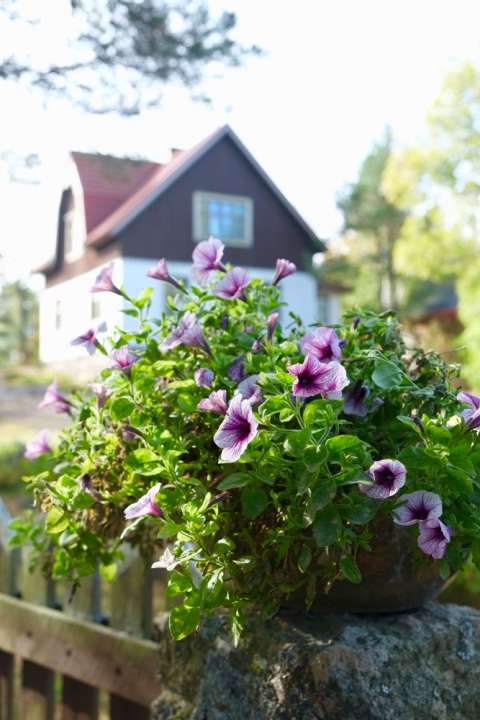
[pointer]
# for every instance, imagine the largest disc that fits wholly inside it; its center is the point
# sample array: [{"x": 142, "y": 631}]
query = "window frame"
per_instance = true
[{"x": 201, "y": 198}]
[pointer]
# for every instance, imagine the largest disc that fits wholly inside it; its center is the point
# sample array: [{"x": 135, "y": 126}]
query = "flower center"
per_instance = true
[
  {"x": 243, "y": 428},
  {"x": 385, "y": 477}
]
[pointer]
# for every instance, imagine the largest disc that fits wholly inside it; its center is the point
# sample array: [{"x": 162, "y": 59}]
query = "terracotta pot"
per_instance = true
[{"x": 393, "y": 578}]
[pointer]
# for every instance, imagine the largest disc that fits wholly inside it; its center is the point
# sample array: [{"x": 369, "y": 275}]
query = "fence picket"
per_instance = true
[
  {"x": 79, "y": 701},
  {"x": 121, "y": 709},
  {"x": 6, "y": 686},
  {"x": 37, "y": 692},
  {"x": 131, "y": 596}
]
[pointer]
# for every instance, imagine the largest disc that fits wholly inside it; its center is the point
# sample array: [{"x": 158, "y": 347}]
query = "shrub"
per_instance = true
[{"x": 256, "y": 456}]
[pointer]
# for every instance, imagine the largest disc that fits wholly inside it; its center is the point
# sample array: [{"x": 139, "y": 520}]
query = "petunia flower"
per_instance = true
[
  {"x": 387, "y": 476},
  {"x": 160, "y": 272},
  {"x": 283, "y": 269},
  {"x": 216, "y": 402},
  {"x": 471, "y": 415},
  {"x": 249, "y": 390},
  {"x": 129, "y": 433},
  {"x": 38, "y": 446},
  {"x": 323, "y": 342},
  {"x": 104, "y": 282},
  {"x": 354, "y": 403},
  {"x": 122, "y": 359},
  {"x": 207, "y": 257},
  {"x": 145, "y": 506},
  {"x": 166, "y": 561},
  {"x": 102, "y": 393},
  {"x": 188, "y": 332},
  {"x": 236, "y": 371},
  {"x": 55, "y": 398},
  {"x": 313, "y": 377},
  {"x": 89, "y": 339},
  {"x": 237, "y": 430},
  {"x": 232, "y": 286},
  {"x": 433, "y": 538},
  {"x": 417, "y": 507},
  {"x": 272, "y": 321},
  {"x": 203, "y": 377}
]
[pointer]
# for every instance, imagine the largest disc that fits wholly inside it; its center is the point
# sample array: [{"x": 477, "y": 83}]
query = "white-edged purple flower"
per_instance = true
[
  {"x": 272, "y": 321},
  {"x": 249, "y": 390},
  {"x": 236, "y": 371},
  {"x": 313, "y": 377},
  {"x": 471, "y": 415},
  {"x": 354, "y": 402},
  {"x": 104, "y": 282},
  {"x": 433, "y": 538},
  {"x": 232, "y": 286},
  {"x": 160, "y": 272},
  {"x": 129, "y": 433},
  {"x": 122, "y": 359},
  {"x": 145, "y": 506},
  {"x": 203, "y": 377},
  {"x": 207, "y": 257},
  {"x": 237, "y": 430},
  {"x": 188, "y": 332},
  {"x": 89, "y": 338},
  {"x": 323, "y": 342},
  {"x": 166, "y": 561},
  {"x": 216, "y": 402},
  {"x": 38, "y": 446},
  {"x": 417, "y": 507},
  {"x": 387, "y": 476},
  {"x": 283, "y": 269},
  {"x": 54, "y": 398},
  {"x": 102, "y": 393}
]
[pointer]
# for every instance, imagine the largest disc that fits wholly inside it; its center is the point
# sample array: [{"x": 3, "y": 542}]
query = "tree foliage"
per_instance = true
[
  {"x": 124, "y": 52},
  {"x": 18, "y": 324}
]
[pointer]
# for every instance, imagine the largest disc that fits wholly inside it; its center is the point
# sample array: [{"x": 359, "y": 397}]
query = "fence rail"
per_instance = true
[{"x": 89, "y": 657}]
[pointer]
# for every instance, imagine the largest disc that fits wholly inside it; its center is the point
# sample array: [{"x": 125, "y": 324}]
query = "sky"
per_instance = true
[{"x": 334, "y": 74}]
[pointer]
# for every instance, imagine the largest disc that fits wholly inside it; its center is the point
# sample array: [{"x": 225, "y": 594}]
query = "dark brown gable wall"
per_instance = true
[{"x": 164, "y": 229}]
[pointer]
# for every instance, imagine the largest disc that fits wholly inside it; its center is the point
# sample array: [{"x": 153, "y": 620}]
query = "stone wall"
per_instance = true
[{"x": 414, "y": 666}]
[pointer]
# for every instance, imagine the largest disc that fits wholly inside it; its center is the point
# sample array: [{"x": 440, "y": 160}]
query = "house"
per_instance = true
[{"x": 134, "y": 212}]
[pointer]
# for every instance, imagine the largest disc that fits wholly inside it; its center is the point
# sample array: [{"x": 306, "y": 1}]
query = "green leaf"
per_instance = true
[
  {"x": 323, "y": 492},
  {"x": 321, "y": 412},
  {"x": 405, "y": 420},
  {"x": 350, "y": 569},
  {"x": 386, "y": 374},
  {"x": 109, "y": 572},
  {"x": 341, "y": 443},
  {"x": 56, "y": 521},
  {"x": 178, "y": 584},
  {"x": 235, "y": 480},
  {"x": 254, "y": 502},
  {"x": 168, "y": 529},
  {"x": 297, "y": 441},
  {"x": 121, "y": 408},
  {"x": 286, "y": 414},
  {"x": 184, "y": 621},
  {"x": 304, "y": 559},
  {"x": 144, "y": 298},
  {"x": 326, "y": 527}
]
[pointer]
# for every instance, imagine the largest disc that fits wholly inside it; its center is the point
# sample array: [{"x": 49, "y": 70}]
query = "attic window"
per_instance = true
[{"x": 227, "y": 217}]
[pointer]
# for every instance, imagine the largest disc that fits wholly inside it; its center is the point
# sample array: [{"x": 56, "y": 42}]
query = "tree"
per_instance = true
[
  {"x": 18, "y": 324},
  {"x": 373, "y": 224},
  {"x": 123, "y": 52}
]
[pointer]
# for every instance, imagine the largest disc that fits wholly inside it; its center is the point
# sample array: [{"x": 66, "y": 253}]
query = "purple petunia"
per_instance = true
[
  {"x": 104, "y": 282},
  {"x": 145, "y": 506},
  {"x": 387, "y": 476},
  {"x": 38, "y": 446},
  {"x": 433, "y": 538},
  {"x": 232, "y": 286},
  {"x": 101, "y": 392},
  {"x": 160, "y": 272},
  {"x": 354, "y": 403},
  {"x": 122, "y": 359},
  {"x": 471, "y": 415},
  {"x": 207, "y": 257},
  {"x": 237, "y": 429},
  {"x": 272, "y": 321},
  {"x": 323, "y": 342},
  {"x": 55, "y": 398},
  {"x": 249, "y": 390},
  {"x": 216, "y": 402},
  {"x": 283, "y": 269},
  {"x": 188, "y": 332},
  {"x": 89, "y": 339},
  {"x": 203, "y": 377},
  {"x": 417, "y": 507},
  {"x": 313, "y": 377},
  {"x": 236, "y": 371}
]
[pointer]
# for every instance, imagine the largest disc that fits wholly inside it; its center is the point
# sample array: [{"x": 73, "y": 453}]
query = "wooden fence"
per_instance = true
[{"x": 89, "y": 657}]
